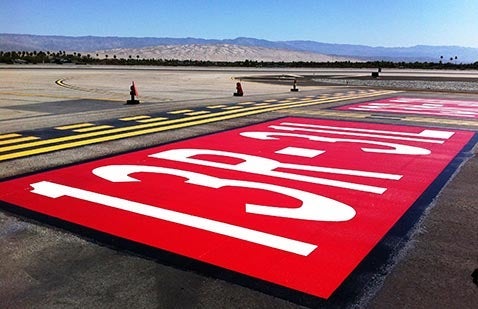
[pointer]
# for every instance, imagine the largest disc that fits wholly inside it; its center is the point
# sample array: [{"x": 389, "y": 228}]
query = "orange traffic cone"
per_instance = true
[
  {"x": 133, "y": 92},
  {"x": 239, "y": 92}
]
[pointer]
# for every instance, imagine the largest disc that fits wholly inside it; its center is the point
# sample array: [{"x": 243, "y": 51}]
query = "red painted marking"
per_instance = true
[
  {"x": 135, "y": 90},
  {"x": 302, "y": 210},
  {"x": 419, "y": 106}
]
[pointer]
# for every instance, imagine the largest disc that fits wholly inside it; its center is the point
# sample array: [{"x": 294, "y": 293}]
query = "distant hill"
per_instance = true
[
  {"x": 20, "y": 42},
  {"x": 220, "y": 52}
]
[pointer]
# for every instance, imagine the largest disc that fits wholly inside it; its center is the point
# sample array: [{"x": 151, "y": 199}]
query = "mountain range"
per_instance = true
[{"x": 26, "y": 42}]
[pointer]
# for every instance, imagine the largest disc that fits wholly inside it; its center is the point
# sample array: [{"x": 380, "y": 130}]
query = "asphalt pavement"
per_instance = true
[{"x": 69, "y": 116}]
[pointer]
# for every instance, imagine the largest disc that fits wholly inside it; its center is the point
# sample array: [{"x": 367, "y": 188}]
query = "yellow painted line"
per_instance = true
[
  {"x": 10, "y": 135},
  {"x": 392, "y": 117},
  {"x": 217, "y": 106},
  {"x": 135, "y": 118},
  {"x": 18, "y": 140},
  {"x": 232, "y": 107},
  {"x": 352, "y": 115},
  {"x": 428, "y": 119},
  {"x": 270, "y": 101},
  {"x": 417, "y": 118},
  {"x": 197, "y": 113},
  {"x": 75, "y": 126},
  {"x": 468, "y": 123},
  {"x": 61, "y": 83},
  {"x": 261, "y": 104},
  {"x": 308, "y": 100},
  {"x": 142, "y": 126},
  {"x": 97, "y": 128},
  {"x": 181, "y": 111},
  {"x": 155, "y": 119},
  {"x": 325, "y": 113},
  {"x": 433, "y": 121},
  {"x": 150, "y": 128},
  {"x": 444, "y": 121},
  {"x": 246, "y": 103}
]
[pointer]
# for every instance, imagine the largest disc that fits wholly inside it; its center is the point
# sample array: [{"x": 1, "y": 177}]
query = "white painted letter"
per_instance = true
[
  {"x": 314, "y": 207},
  {"x": 265, "y": 166},
  {"x": 55, "y": 190}
]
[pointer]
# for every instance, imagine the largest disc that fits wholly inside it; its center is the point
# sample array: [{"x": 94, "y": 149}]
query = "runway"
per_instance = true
[{"x": 58, "y": 124}]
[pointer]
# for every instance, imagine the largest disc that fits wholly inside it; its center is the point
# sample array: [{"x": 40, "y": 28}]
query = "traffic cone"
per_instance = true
[
  {"x": 294, "y": 86},
  {"x": 133, "y": 92},
  {"x": 239, "y": 92}
]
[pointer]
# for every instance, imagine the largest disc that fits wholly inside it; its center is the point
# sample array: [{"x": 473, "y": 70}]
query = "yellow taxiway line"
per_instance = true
[{"x": 78, "y": 140}]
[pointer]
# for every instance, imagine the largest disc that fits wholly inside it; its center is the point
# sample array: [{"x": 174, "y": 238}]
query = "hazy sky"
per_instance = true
[{"x": 368, "y": 22}]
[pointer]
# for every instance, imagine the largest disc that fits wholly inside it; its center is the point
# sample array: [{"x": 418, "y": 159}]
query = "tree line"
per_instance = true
[{"x": 61, "y": 57}]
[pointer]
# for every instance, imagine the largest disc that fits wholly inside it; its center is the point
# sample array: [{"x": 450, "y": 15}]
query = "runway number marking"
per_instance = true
[
  {"x": 297, "y": 202},
  {"x": 419, "y": 106}
]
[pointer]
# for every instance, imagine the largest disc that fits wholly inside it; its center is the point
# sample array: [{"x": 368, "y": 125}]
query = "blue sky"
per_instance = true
[{"x": 368, "y": 22}]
